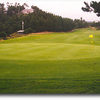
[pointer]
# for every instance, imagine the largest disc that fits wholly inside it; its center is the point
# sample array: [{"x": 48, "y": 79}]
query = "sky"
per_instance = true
[{"x": 65, "y": 8}]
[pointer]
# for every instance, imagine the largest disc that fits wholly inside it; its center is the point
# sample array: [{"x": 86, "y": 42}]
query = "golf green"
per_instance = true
[{"x": 54, "y": 63}]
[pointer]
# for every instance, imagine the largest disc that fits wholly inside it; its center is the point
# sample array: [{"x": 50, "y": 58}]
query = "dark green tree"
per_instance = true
[
  {"x": 2, "y": 9},
  {"x": 80, "y": 23},
  {"x": 15, "y": 9},
  {"x": 94, "y": 6}
]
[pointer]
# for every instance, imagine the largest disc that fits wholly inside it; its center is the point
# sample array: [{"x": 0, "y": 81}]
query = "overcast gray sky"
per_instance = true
[{"x": 64, "y": 8}]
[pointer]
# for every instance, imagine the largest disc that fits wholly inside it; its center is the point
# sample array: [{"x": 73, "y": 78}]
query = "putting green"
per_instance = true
[{"x": 51, "y": 63}]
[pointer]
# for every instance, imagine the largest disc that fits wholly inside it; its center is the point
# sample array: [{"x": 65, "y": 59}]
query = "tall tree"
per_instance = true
[
  {"x": 2, "y": 9},
  {"x": 15, "y": 9}
]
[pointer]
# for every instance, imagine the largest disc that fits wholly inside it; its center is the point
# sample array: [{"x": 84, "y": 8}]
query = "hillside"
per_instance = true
[{"x": 51, "y": 63}]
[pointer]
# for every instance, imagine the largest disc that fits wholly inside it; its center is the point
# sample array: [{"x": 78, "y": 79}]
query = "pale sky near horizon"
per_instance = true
[{"x": 65, "y": 8}]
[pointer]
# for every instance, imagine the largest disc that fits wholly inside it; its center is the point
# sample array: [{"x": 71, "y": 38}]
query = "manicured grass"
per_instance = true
[{"x": 56, "y": 63}]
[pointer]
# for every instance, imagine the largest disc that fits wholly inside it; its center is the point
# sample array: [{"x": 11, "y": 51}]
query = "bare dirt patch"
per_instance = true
[
  {"x": 1, "y": 40},
  {"x": 42, "y": 33}
]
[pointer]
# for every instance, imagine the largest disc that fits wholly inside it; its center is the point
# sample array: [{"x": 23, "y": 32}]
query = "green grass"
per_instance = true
[{"x": 56, "y": 63}]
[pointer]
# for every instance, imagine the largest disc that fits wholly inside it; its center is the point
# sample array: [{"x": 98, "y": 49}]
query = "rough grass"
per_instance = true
[{"x": 57, "y": 63}]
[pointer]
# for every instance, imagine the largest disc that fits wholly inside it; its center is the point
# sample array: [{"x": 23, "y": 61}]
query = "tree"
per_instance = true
[
  {"x": 15, "y": 9},
  {"x": 94, "y": 6},
  {"x": 2, "y": 9},
  {"x": 80, "y": 23}
]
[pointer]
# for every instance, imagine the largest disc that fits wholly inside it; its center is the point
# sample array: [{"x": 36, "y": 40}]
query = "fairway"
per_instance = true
[{"x": 54, "y": 63}]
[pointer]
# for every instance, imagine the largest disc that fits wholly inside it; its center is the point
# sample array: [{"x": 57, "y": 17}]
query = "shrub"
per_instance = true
[
  {"x": 29, "y": 30},
  {"x": 3, "y": 35}
]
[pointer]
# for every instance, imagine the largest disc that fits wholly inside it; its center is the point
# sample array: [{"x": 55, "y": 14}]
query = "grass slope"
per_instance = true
[{"x": 51, "y": 63}]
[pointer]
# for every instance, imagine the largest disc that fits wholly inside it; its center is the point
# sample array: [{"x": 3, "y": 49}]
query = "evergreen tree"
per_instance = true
[{"x": 94, "y": 6}]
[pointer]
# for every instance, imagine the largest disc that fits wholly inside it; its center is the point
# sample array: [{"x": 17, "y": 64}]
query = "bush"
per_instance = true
[
  {"x": 29, "y": 30},
  {"x": 3, "y": 35}
]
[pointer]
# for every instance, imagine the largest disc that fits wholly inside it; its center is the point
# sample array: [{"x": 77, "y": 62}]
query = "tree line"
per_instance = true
[{"x": 11, "y": 17}]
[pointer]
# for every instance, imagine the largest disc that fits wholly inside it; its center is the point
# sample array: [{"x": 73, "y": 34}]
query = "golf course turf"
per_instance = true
[{"x": 54, "y": 63}]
